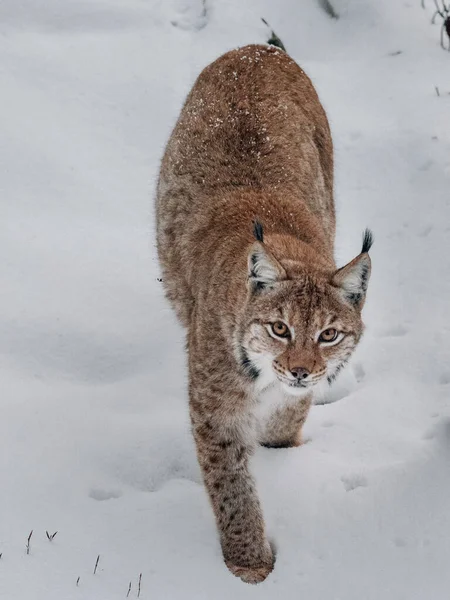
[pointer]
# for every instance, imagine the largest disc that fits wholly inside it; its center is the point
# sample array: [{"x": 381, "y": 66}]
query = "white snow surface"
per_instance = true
[{"x": 94, "y": 432}]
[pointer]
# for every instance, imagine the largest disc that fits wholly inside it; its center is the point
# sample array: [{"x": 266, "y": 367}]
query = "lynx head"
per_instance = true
[{"x": 300, "y": 328}]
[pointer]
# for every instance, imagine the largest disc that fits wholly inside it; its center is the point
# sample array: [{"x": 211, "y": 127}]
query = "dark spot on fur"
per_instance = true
[
  {"x": 203, "y": 432},
  {"x": 217, "y": 485},
  {"x": 331, "y": 378},
  {"x": 225, "y": 444},
  {"x": 364, "y": 277},
  {"x": 240, "y": 453},
  {"x": 258, "y": 286},
  {"x": 197, "y": 407},
  {"x": 248, "y": 367},
  {"x": 354, "y": 297}
]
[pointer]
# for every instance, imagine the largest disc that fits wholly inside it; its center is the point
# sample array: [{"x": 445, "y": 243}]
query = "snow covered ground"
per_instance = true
[{"x": 94, "y": 431}]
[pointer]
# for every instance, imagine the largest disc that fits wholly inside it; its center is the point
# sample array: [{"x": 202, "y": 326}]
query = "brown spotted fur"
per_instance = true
[{"x": 252, "y": 143}]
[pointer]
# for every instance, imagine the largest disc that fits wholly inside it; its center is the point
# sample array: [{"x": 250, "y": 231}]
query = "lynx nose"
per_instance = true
[{"x": 299, "y": 373}]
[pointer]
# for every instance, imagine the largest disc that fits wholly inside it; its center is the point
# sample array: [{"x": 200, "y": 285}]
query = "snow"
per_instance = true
[{"x": 94, "y": 429}]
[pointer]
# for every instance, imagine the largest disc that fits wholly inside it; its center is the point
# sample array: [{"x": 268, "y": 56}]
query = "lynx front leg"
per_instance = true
[
  {"x": 283, "y": 428},
  {"x": 223, "y": 454}
]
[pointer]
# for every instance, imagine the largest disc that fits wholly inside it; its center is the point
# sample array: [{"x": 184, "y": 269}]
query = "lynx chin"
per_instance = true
[{"x": 245, "y": 233}]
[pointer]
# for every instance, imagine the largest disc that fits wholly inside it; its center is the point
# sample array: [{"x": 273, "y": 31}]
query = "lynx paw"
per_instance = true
[
  {"x": 287, "y": 444},
  {"x": 250, "y": 574},
  {"x": 293, "y": 442}
]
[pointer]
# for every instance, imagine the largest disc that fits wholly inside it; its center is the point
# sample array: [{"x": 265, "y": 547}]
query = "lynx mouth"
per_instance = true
[
  {"x": 296, "y": 384},
  {"x": 293, "y": 383},
  {"x": 293, "y": 386}
]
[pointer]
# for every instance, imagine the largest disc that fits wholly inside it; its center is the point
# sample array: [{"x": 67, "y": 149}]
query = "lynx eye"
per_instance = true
[
  {"x": 329, "y": 335},
  {"x": 280, "y": 329}
]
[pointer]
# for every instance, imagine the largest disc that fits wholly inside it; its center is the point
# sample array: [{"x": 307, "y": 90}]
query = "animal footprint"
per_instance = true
[
  {"x": 425, "y": 231},
  {"x": 352, "y": 482},
  {"x": 397, "y": 331},
  {"x": 359, "y": 372},
  {"x": 189, "y": 14},
  {"x": 345, "y": 384},
  {"x": 444, "y": 379},
  {"x": 430, "y": 434},
  {"x": 440, "y": 431},
  {"x": 100, "y": 494}
]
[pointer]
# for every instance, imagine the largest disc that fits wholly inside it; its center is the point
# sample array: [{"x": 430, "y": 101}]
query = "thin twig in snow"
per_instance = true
[
  {"x": 28, "y": 542},
  {"x": 96, "y": 564},
  {"x": 274, "y": 40},
  {"x": 328, "y": 8}
]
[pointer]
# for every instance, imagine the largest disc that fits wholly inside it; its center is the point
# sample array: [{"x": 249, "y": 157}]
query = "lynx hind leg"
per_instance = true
[{"x": 283, "y": 428}]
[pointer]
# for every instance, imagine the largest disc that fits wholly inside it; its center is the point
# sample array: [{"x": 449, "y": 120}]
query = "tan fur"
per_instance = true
[{"x": 252, "y": 143}]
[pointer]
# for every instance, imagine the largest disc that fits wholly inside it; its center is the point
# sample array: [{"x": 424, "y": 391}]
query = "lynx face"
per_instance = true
[
  {"x": 303, "y": 330},
  {"x": 299, "y": 332}
]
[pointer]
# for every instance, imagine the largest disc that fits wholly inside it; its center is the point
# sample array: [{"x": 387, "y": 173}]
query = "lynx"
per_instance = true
[{"x": 245, "y": 235}]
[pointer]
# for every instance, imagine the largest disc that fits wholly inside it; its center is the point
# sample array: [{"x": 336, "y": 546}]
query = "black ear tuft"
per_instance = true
[
  {"x": 258, "y": 231},
  {"x": 367, "y": 241}
]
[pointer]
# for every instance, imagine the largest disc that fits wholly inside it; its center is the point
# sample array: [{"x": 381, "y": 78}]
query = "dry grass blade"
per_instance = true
[
  {"x": 28, "y": 542},
  {"x": 96, "y": 564},
  {"x": 328, "y": 8},
  {"x": 274, "y": 40}
]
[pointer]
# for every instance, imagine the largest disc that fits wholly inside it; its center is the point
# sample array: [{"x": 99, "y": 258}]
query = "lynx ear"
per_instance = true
[
  {"x": 263, "y": 268},
  {"x": 353, "y": 279}
]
